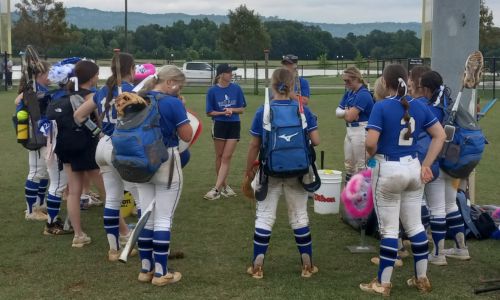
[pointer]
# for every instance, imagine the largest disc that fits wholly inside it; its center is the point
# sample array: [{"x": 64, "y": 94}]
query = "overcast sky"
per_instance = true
[{"x": 325, "y": 11}]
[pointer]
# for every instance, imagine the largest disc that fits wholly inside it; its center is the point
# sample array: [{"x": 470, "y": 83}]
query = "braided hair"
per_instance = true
[
  {"x": 395, "y": 77},
  {"x": 434, "y": 82}
]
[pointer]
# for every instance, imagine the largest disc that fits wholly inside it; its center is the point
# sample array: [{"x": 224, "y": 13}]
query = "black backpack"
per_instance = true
[
  {"x": 478, "y": 223},
  {"x": 70, "y": 136}
]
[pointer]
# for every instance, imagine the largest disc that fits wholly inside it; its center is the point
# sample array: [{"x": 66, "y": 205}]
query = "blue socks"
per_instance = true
[
  {"x": 388, "y": 256},
  {"x": 303, "y": 240},
  {"x": 145, "y": 245},
  {"x": 53, "y": 206},
  {"x": 261, "y": 240},
  {"x": 455, "y": 223},
  {"x": 31, "y": 194},
  {"x": 161, "y": 248},
  {"x": 438, "y": 229},
  {"x": 112, "y": 227},
  {"x": 420, "y": 249},
  {"x": 42, "y": 188}
]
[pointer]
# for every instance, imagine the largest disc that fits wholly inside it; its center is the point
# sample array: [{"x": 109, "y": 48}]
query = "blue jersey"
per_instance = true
[
  {"x": 219, "y": 98},
  {"x": 387, "y": 118},
  {"x": 436, "y": 110},
  {"x": 173, "y": 115},
  {"x": 257, "y": 128},
  {"x": 109, "y": 121},
  {"x": 43, "y": 95},
  {"x": 361, "y": 99},
  {"x": 304, "y": 88}
]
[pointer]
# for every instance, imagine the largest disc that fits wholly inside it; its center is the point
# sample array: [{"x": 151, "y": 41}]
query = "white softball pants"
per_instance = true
[
  {"x": 441, "y": 195},
  {"x": 58, "y": 178},
  {"x": 354, "y": 149},
  {"x": 113, "y": 183},
  {"x": 296, "y": 200},
  {"x": 166, "y": 198},
  {"x": 398, "y": 191},
  {"x": 37, "y": 165}
]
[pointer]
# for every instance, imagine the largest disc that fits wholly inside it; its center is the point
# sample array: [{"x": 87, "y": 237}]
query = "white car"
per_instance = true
[{"x": 198, "y": 72}]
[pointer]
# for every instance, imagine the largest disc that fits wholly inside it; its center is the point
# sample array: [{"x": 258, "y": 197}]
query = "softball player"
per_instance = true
[
  {"x": 442, "y": 192},
  {"x": 103, "y": 101},
  {"x": 224, "y": 103},
  {"x": 301, "y": 84},
  {"x": 397, "y": 178},
  {"x": 38, "y": 178},
  {"x": 166, "y": 185},
  {"x": 355, "y": 108},
  {"x": 295, "y": 195}
]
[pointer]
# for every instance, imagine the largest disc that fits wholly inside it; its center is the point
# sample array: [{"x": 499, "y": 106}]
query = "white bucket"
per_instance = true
[{"x": 327, "y": 197}]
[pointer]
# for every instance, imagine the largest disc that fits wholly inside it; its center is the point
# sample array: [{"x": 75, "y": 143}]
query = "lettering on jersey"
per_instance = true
[
  {"x": 227, "y": 102},
  {"x": 109, "y": 116}
]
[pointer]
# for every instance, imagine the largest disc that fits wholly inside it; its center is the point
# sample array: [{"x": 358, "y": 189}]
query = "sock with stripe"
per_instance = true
[
  {"x": 53, "y": 207},
  {"x": 388, "y": 256},
  {"x": 261, "y": 240},
  {"x": 303, "y": 240},
  {"x": 145, "y": 245},
  {"x": 438, "y": 229},
  {"x": 112, "y": 227},
  {"x": 420, "y": 249},
  {"x": 42, "y": 189},
  {"x": 161, "y": 248},
  {"x": 31, "y": 194},
  {"x": 426, "y": 216},
  {"x": 455, "y": 223}
]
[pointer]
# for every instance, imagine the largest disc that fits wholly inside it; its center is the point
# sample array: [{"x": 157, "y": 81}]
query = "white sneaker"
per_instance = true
[
  {"x": 81, "y": 240},
  {"x": 438, "y": 260},
  {"x": 93, "y": 201},
  {"x": 227, "y": 191},
  {"x": 213, "y": 194},
  {"x": 461, "y": 254}
]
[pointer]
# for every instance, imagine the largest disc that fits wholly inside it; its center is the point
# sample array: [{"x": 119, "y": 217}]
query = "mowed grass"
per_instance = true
[{"x": 216, "y": 237}]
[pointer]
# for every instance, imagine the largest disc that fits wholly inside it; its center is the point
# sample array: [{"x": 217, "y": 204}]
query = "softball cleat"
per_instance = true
[
  {"x": 422, "y": 284},
  {"x": 376, "y": 287},
  {"x": 168, "y": 278}
]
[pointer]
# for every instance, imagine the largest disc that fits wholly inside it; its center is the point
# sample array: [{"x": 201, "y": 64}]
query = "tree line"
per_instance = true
[{"x": 42, "y": 24}]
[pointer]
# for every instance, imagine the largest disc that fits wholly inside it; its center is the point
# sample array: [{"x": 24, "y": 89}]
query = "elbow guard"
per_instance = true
[{"x": 339, "y": 112}]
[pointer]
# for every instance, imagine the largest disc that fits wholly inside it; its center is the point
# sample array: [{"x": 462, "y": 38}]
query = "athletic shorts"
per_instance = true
[
  {"x": 226, "y": 130},
  {"x": 81, "y": 160}
]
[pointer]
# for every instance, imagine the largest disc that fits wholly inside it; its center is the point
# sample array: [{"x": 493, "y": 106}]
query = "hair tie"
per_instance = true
[
  {"x": 155, "y": 76},
  {"x": 403, "y": 84},
  {"x": 438, "y": 99},
  {"x": 282, "y": 87},
  {"x": 75, "y": 81}
]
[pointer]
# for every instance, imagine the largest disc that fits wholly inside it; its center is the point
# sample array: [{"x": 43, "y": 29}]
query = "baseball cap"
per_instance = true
[
  {"x": 290, "y": 59},
  {"x": 224, "y": 68}
]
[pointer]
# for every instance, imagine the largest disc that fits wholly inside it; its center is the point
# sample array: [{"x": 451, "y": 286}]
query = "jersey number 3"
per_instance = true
[{"x": 402, "y": 141}]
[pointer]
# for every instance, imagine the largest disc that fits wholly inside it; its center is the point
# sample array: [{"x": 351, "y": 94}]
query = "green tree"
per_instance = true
[
  {"x": 41, "y": 23},
  {"x": 244, "y": 37},
  {"x": 323, "y": 62}
]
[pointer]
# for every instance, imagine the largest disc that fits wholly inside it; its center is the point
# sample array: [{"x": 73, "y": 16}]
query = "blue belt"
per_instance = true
[
  {"x": 397, "y": 158},
  {"x": 352, "y": 124}
]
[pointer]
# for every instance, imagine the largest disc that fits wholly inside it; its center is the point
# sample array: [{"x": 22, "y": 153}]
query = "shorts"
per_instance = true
[
  {"x": 226, "y": 130},
  {"x": 81, "y": 160}
]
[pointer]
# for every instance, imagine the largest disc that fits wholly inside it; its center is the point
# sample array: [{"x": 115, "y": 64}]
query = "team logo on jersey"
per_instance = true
[
  {"x": 288, "y": 138},
  {"x": 227, "y": 102}
]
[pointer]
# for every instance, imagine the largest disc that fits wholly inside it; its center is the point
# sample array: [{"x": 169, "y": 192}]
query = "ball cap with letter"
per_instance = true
[
  {"x": 290, "y": 59},
  {"x": 225, "y": 68}
]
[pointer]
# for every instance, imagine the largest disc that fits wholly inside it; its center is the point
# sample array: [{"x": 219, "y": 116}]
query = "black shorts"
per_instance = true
[
  {"x": 226, "y": 130},
  {"x": 81, "y": 160}
]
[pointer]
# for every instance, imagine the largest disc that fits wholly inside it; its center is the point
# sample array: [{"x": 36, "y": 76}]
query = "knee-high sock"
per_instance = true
[
  {"x": 53, "y": 207},
  {"x": 420, "y": 248},
  {"x": 42, "y": 188},
  {"x": 438, "y": 228},
  {"x": 145, "y": 245},
  {"x": 303, "y": 240},
  {"x": 112, "y": 227},
  {"x": 455, "y": 223},
  {"x": 161, "y": 248},
  {"x": 388, "y": 256},
  {"x": 261, "y": 240},
  {"x": 31, "y": 194},
  {"x": 426, "y": 216}
]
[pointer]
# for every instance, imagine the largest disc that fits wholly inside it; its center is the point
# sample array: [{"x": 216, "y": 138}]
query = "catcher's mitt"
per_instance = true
[
  {"x": 126, "y": 102},
  {"x": 246, "y": 185}
]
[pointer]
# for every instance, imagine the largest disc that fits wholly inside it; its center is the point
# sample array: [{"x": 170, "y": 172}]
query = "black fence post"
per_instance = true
[
  {"x": 494, "y": 76},
  {"x": 256, "y": 79}
]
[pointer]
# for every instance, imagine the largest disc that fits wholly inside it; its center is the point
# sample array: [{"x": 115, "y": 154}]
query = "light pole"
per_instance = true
[
  {"x": 337, "y": 65},
  {"x": 126, "y": 26}
]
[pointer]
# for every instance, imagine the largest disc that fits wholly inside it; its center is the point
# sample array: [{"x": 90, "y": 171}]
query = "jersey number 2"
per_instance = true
[{"x": 402, "y": 141}]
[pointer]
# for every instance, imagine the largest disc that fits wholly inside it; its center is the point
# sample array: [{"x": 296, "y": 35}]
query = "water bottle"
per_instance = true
[
  {"x": 22, "y": 126},
  {"x": 94, "y": 129}
]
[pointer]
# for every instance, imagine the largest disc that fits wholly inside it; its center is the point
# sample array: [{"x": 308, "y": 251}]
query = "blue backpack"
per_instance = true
[
  {"x": 285, "y": 150},
  {"x": 138, "y": 148},
  {"x": 462, "y": 153}
]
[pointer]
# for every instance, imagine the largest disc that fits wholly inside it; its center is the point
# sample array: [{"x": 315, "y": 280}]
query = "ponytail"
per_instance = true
[{"x": 402, "y": 90}]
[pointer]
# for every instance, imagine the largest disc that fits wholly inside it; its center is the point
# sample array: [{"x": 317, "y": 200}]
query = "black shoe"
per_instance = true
[{"x": 56, "y": 228}]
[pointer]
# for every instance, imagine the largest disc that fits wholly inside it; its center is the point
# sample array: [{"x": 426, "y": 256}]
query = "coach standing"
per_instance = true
[{"x": 301, "y": 85}]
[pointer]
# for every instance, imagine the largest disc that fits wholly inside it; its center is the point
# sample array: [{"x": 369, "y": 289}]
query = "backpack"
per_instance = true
[
  {"x": 70, "y": 136},
  {"x": 36, "y": 139},
  {"x": 285, "y": 150},
  {"x": 478, "y": 223},
  {"x": 463, "y": 151},
  {"x": 138, "y": 148}
]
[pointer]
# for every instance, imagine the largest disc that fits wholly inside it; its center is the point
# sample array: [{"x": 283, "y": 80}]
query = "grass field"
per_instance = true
[{"x": 216, "y": 237}]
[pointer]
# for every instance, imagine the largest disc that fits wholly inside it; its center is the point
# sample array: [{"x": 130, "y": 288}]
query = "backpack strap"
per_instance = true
[
  {"x": 465, "y": 210},
  {"x": 316, "y": 184}
]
